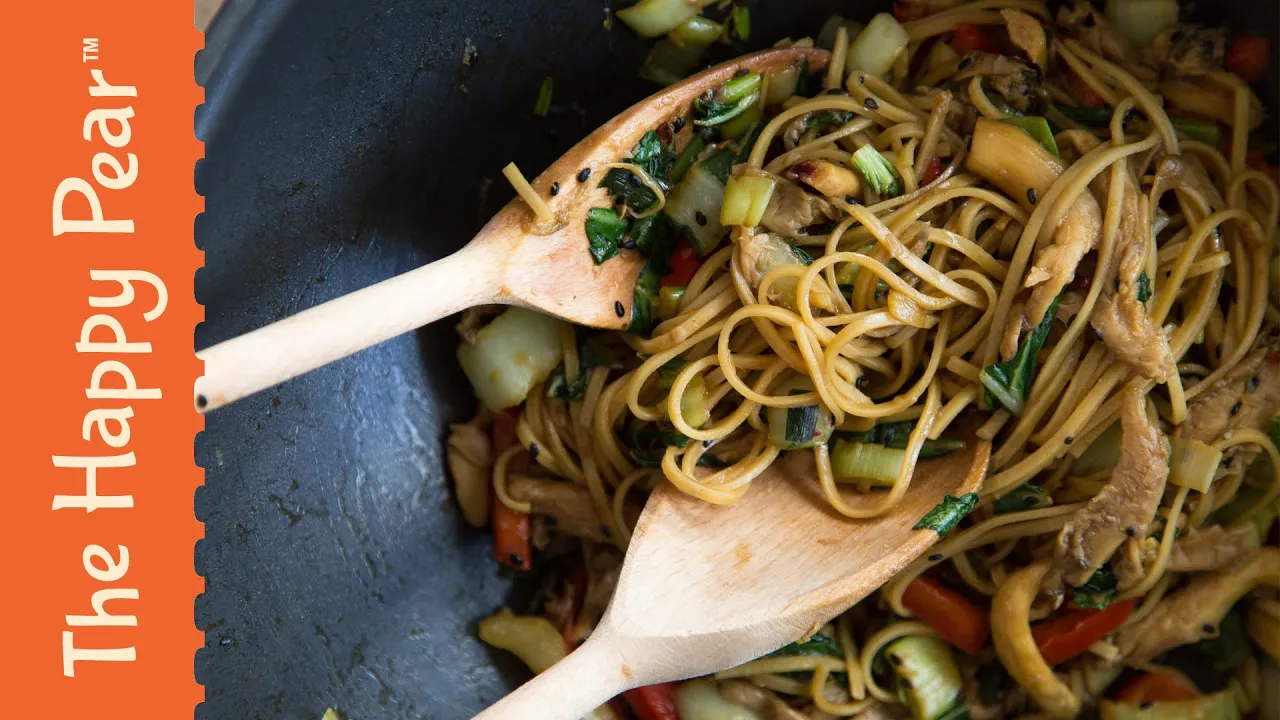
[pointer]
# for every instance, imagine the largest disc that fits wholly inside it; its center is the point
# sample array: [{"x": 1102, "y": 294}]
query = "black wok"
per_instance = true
[{"x": 346, "y": 142}]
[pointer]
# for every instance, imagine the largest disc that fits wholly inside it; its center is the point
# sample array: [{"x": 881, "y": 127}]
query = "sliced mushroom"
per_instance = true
[
  {"x": 569, "y": 505},
  {"x": 1096, "y": 32},
  {"x": 470, "y": 457},
  {"x": 1015, "y": 81},
  {"x": 761, "y": 701},
  {"x": 791, "y": 210},
  {"x": 826, "y": 177}
]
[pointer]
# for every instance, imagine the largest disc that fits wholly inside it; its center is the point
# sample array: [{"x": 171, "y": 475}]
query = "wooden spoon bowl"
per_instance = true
[
  {"x": 512, "y": 261},
  {"x": 705, "y": 587}
]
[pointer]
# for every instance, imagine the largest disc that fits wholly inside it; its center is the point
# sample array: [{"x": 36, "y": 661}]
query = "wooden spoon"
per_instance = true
[
  {"x": 705, "y": 588},
  {"x": 512, "y": 261}
]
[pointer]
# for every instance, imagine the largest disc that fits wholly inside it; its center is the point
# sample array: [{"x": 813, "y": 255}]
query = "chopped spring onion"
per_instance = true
[
  {"x": 698, "y": 31},
  {"x": 527, "y": 193},
  {"x": 741, "y": 17},
  {"x": 700, "y": 700},
  {"x": 879, "y": 174},
  {"x": 1038, "y": 128},
  {"x": 818, "y": 645},
  {"x": 604, "y": 231},
  {"x": 543, "y": 104},
  {"x": 669, "y": 301},
  {"x": 827, "y": 35},
  {"x": 745, "y": 200},
  {"x": 695, "y": 205},
  {"x": 511, "y": 355},
  {"x": 1144, "y": 287},
  {"x": 1008, "y": 383},
  {"x": 783, "y": 84},
  {"x": 929, "y": 682},
  {"x": 1218, "y": 706},
  {"x": 1192, "y": 464},
  {"x": 731, "y": 100},
  {"x": 799, "y": 427},
  {"x": 669, "y": 62},
  {"x": 693, "y": 403},
  {"x": 1087, "y": 116},
  {"x": 533, "y": 639},
  {"x": 1205, "y": 131},
  {"x": 947, "y": 514},
  {"x": 1141, "y": 20},
  {"x": 1024, "y": 497},
  {"x": 741, "y": 86},
  {"x": 651, "y": 18},
  {"x": 876, "y": 48},
  {"x": 739, "y": 127},
  {"x": 687, "y": 157},
  {"x": 872, "y": 463}
]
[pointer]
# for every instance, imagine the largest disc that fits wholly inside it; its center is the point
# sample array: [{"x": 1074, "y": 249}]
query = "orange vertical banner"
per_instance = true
[{"x": 97, "y": 361}]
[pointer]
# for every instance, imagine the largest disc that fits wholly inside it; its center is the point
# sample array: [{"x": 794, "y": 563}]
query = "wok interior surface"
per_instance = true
[{"x": 348, "y": 142}]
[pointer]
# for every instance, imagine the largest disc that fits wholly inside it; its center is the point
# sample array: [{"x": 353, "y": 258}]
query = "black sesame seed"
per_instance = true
[
  {"x": 1236, "y": 408},
  {"x": 516, "y": 559},
  {"x": 1208, "y": 628},
  {"x": 851, "y": 199},
  {"x": 1031, "y": 195},
  {"x": 1131, "y": 531},
  {"x": 935, "y": 557},
  {"x": 862, "y": 79},
  {"x": 678, "y": 125},
  {"x": 1253, "y": 384},
  {"x": 837, "y": 91},
  {"x": 965, "y": 63},
  {"x": 583, "y": 174},
  {"x": 534, "y": 450},
  {"x": 872, "y": 104},
  {"x": 706, "y": 443},
  {"x": 700, "y": 217},
  {"x": 202, "y": 402},
  {"x": 1068, "y": 440},
  {"x": 618, "y": 308},
  {"x": 555, "y": 188}
]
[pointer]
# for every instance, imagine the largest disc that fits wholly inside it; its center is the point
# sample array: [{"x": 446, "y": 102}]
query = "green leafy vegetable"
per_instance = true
[
  {"x": 827, "y": 118},
  {"x": 668, "y": 371},
  {"x": 877, "y": 171},
  {"x": 818, "y": 645},
  {"x": 897, "y": 435},
  {"x": 660, "y": 245},
  {"x": 604, "y": 231},
  {"x": 1098, "y": 591},
  {"x": 558, "y": 386},
  {"x": 719, "y": 165},
  {"x": 959, "y": 712},
  {"x": 543, "y": 104},
  {"x": 1039, "y": 130},
  {"x": 948, "y": 513},
  {"x": 1087, "y": 116},
  {"x": 709, "y": 112},
  {"x": 650, "y": 231},
  {"x": 1008, "y": 383},
  {"x": 655, "y": 159},
  {"x": 1144, "y": 287},
  {"x": 1023, "y": 497}
]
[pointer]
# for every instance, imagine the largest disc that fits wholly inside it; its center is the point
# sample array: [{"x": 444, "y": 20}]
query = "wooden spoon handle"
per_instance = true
[
  {"x": 257, "y": 360},
  {"x": 588, "y": 678}
]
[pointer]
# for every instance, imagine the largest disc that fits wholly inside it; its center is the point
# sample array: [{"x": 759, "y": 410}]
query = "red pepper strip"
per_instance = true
[
  {"x": 932, "y": 170},
  {"x": 1066, "y": 635},
  {"x": 512, "y": 531},
  {"x": 1083, "y": 92},
  {"x": 683, "y": 264},
  {"x": 1249, "y": 56},
  {"x": 653, "y": 702},
  {"x": 1160, "y": 686},
  {"x": 908, "y": 11},
  {"x": 968, "y": 37},
  {"x": 949, "y": 613}
]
